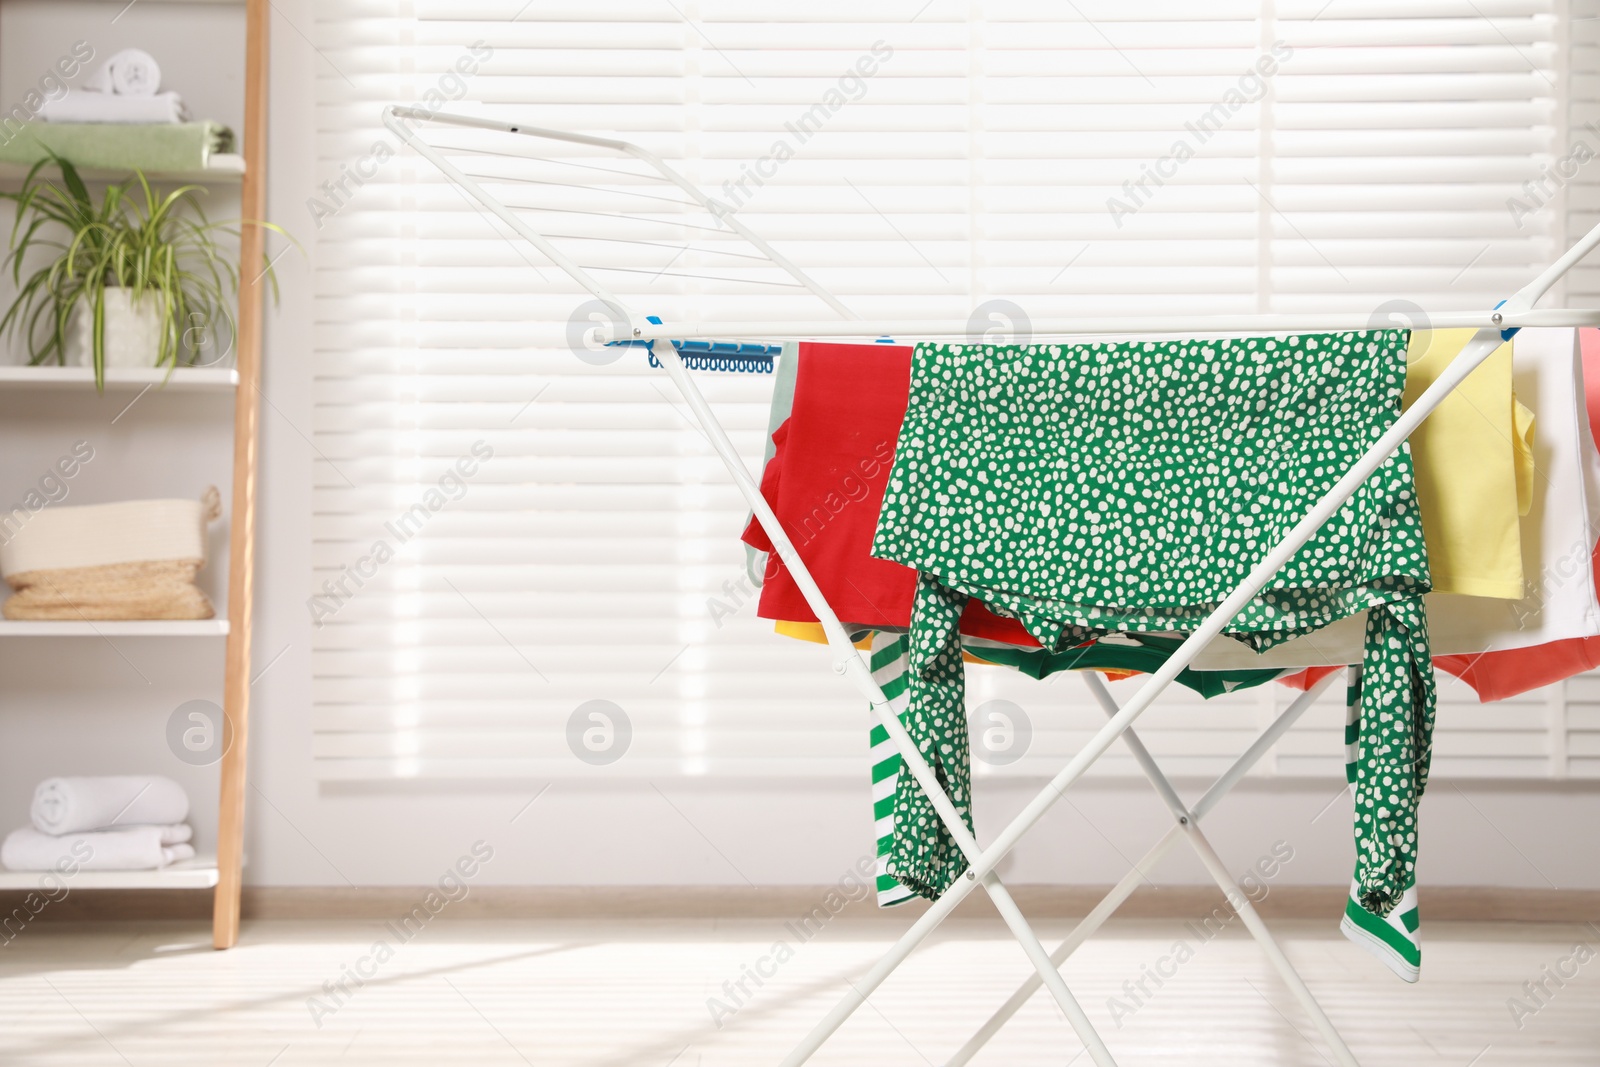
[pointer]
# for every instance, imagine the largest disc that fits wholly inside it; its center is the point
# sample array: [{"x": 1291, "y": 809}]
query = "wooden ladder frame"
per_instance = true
[{"x": 242, "y": 517}]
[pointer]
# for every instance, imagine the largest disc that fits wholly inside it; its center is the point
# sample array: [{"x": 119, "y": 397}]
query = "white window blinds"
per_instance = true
[{"x": 506, "y": 534}]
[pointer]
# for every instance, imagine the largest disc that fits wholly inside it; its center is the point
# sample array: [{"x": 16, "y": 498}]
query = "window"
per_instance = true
[{"x": 506, "y": 533}]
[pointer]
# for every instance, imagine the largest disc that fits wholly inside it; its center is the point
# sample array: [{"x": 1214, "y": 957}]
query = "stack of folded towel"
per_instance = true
[
  {"x": 136, "y": 559},
  {"x": 127, "y": 89},
  {"x": 120, "y": 823},
  {"x": 120, "y": 119}
]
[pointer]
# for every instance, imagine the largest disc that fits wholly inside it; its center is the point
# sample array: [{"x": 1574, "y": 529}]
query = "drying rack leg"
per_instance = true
[
  {"x": 1046, "y": 969},
  {"x": 1086, "y": 928},
  {"x": 1140, "y": 871},
  {"x": 1189, "y": 824},
  {"x": 1269, "y": 945},
  {"x": 861, "y": 989},
  {"x": 855, "y": 669}
]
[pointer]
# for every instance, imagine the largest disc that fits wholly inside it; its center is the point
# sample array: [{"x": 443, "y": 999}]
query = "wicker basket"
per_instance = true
[{"x": 133, "y": 560}]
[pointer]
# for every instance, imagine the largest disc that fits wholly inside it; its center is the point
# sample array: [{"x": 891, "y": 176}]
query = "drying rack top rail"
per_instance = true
[
  {"x": 626, "y": 324},
  {"x": 1143, "y": 326}
]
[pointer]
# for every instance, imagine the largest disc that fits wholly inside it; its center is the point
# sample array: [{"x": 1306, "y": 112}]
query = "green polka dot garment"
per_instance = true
[
  {"x": 1130, "y": 487},
  {"x": 1395, "y": 938}
]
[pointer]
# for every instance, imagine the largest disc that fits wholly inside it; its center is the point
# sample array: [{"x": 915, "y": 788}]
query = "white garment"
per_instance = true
[
  {"x": 1558, "y": 537},
  {"x": 130, "y": 72},
  {"x": 66, "y": 805},
  {"x": 137, "y": 848},
  {"x": 110, "y": 108}
]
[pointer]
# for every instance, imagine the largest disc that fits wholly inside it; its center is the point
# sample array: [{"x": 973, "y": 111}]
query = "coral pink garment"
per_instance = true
[
  {"x": 1498, "y": 675},
  {"x": 826, "y": 483},
  {"x": 1303, "y": 680}
]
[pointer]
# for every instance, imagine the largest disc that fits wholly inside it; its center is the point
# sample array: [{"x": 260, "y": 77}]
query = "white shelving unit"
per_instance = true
[
  {"x": 197, "y": 873},
  {"x": 178, "y": 379},
  {"x": 224, "y": 168},
  {"x": 157, "y": 446},
  {"x": 119, "y": 628}
]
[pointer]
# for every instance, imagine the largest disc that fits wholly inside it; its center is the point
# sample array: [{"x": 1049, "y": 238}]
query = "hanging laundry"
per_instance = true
[
  {"x": 828, "y": 500},
  {"x": 846, "y": 402},
  {"x": 890, "y": 663},
  {"x": 1474, "y": 463},
  {"x": 1470, "y": 456},
  {"x": 1500, "y": 673},
  {"x": 835, "y": 417},
  {"x": 1117, "y": 656},
  {"x": 1558, "y": 537},
  {"x": 1395, "y": 939},
  {"x": 1132, "y": 487}
]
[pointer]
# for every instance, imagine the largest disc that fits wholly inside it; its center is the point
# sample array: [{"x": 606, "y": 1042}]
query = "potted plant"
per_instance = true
[{"x": 135, "y": 279}]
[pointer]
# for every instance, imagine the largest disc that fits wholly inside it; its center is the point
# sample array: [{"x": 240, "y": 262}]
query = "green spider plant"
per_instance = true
[{"x": 130, "y": 238}]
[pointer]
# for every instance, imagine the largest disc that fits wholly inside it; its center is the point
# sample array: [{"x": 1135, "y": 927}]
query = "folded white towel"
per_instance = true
[
  {"x": 138, "y": 848},
  {"x": 130, "y": 72},
  {"x": 109, "y": 107},
  {"x": 68, "y": 805}
]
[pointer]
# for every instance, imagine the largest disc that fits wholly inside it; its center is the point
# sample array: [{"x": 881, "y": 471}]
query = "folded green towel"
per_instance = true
[{"x": 116, "y": 146}]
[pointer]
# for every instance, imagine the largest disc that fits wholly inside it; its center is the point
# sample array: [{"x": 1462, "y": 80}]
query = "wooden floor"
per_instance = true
[{"x": 623, "y": 994}]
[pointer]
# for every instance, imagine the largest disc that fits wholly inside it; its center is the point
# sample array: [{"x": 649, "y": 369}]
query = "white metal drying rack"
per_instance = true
[{"x": 1493, "y": 326}]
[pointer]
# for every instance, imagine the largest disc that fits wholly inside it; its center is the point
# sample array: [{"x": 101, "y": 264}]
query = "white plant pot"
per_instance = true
[{"x": 133, "y": 331}]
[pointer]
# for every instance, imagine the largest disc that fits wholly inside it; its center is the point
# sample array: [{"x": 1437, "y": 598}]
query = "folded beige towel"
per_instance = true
[
  {"x": 164, "y": 590},
  {"x": 133, "y": 560}
]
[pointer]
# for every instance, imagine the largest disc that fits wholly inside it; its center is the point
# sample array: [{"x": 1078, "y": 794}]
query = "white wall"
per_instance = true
[
  {"x": 191, "y": 41},
  {"x": 58, "y": 702}
]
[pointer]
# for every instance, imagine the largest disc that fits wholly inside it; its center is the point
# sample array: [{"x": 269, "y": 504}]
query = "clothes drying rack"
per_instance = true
[{"x": 628, "y": 326}]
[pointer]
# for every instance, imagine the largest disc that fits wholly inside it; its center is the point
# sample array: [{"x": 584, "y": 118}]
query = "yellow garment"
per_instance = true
[
  {"x": 1474, "y": 469},
  {"x": 812, "y": 631}
]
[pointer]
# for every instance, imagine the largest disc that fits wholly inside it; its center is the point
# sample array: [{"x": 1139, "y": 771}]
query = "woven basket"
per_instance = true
[{"x": 133, "y": 560}]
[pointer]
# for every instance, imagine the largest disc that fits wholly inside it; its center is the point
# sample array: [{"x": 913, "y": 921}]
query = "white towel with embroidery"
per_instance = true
[
  {"x": 70, "y": 805},
  {"x": 130, "y": 72}
]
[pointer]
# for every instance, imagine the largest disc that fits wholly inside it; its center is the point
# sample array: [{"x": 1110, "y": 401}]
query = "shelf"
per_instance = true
[
  {"x": 225, "y": 169},
  {"x": 131, "y": 628},
  {"x": 197, "y": 873},
  {"x": 122, "y": 3},
  {"x": 179, "y": 379}
]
